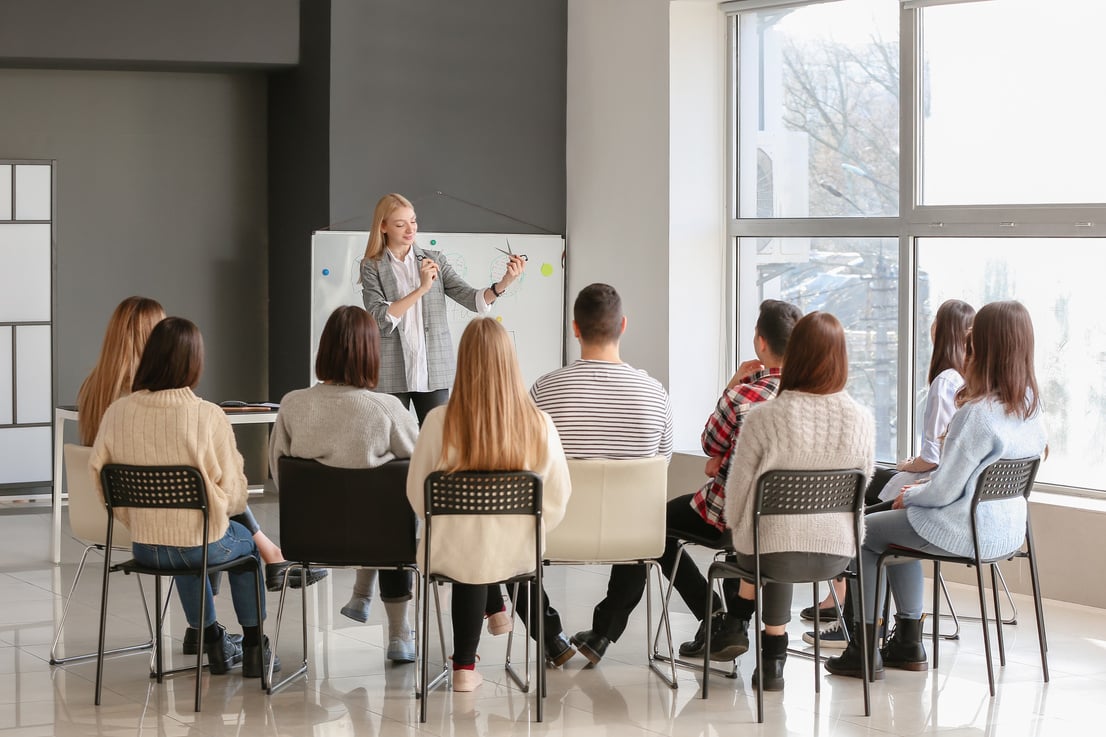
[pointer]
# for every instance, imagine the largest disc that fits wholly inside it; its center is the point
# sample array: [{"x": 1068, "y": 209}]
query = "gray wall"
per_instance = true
[
  {"x": 161, "y": 191},
  {"x": 421, "y": 95}
]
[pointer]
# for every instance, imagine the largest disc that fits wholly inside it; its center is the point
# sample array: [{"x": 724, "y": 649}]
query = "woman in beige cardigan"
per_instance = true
[{"x": 163, "y": 423}]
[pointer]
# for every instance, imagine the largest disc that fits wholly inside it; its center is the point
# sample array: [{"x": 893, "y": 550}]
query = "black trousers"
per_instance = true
[
  {"x": 470, "y": 604},
  {"x": 423, "y": 401}
]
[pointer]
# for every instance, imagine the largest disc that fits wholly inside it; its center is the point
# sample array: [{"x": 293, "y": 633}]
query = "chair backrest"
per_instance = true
[
  {"x": 1006, "y": 478},
  {"x": 88, "y": 517},
  {"x": 839, "y": 491},
  {"x": 346, "y": 516},
  {"x": 477, "y": 493},
  {"x": 153, "y": 487},
  {"x": 616, "y": 511}
]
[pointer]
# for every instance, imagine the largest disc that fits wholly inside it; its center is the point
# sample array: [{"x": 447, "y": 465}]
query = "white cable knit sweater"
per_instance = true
[
  {"x": 797, "y": 431},
  {"x": 173, "y": 427}
]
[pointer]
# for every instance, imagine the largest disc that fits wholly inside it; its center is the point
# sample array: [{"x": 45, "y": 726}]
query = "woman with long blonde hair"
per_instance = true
[
  {"x": 404, "y": 287},
  {"x": 489, "y": 424}
]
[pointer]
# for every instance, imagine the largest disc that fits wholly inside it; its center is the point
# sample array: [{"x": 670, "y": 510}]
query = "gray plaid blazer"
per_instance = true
[{"x": 378, "y": 285}]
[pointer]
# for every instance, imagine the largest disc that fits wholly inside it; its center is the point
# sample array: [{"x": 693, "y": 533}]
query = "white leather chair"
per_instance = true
[
  {"x": 88, "y": 519},
  {"x": 616, "y": 515}
]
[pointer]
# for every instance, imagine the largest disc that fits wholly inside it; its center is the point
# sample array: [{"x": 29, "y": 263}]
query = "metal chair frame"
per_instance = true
[
  {"x": 163, "y": 487},
  {"x": 477, "y": 493},
  {"x": 1004, "y": 479},
  {"x": 782, "y": 493}
]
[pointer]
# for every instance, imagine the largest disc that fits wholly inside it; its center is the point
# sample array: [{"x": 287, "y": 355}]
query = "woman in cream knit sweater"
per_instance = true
[
  {"x": 813, "y": 424},
  {"x": 163, "y": 423}
]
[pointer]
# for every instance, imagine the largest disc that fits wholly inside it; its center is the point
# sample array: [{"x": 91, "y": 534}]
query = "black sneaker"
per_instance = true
[
  {"x": 729, "y": 640},
  {"x": 256, "y": 660},
  {"x": 191, "y": 644},
  {"x": 694, "y": 648},
  {"x": 825, "y": 614},
  {"x": 223, "y": 652}
]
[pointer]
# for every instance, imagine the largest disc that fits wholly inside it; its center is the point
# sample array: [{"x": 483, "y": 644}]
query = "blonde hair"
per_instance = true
[
  {"x": 491, "y": 424},
  {"x": 128, "y": 329},
  {"x": 388, "y": 204}
]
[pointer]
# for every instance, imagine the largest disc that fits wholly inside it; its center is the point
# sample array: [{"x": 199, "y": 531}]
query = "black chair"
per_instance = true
[
  {"x": 477, "y": 493},
  {"x": 333, "y": 517},
  {"x": 1003, "y": 480},
  {"x": 784, "y": 493},
  {"x": 163, "y": 487}
]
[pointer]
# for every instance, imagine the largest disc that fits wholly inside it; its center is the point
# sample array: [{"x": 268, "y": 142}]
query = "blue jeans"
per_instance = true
[
  {"x": 907, "y": 581},
  {"x": 237, "y": 542}
]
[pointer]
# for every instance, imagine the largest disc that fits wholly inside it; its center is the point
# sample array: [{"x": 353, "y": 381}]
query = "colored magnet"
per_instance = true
[
  {"x": 326, "y": 272},
  {"x": 547, "y": 269}
]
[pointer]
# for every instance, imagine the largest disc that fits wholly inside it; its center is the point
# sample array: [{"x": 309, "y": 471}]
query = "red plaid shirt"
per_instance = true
[{"x": 720, "y": 438}]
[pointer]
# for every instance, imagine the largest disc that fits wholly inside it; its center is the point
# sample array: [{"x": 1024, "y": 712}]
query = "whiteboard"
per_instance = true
[{"x": 532, "y": 309}]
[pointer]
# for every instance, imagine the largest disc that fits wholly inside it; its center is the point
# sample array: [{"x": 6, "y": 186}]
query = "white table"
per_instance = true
[{"x": 70, "y": 414}]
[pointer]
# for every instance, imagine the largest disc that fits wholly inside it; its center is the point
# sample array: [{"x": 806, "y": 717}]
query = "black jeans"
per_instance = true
[
  {"x": 471, "y": 602},
  {"x": 423, "y": 401}
]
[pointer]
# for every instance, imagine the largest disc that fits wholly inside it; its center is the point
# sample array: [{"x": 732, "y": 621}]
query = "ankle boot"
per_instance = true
[
  {"x": 904, "y": 648},
  {"x": 773, "y": 654},
  {"x": 851, "y": 662},
  {"x": 223, "y": 652}
]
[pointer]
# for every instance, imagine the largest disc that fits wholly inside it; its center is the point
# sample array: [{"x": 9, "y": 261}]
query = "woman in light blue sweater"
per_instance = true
[{"x": 998, "y": 417}]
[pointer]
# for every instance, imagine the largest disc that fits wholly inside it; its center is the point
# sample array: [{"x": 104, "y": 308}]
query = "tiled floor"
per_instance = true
[{"x": 351, "y": 690}]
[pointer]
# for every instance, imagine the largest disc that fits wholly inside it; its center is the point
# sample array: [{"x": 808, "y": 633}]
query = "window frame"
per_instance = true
[{"x": 914, "y": 221}]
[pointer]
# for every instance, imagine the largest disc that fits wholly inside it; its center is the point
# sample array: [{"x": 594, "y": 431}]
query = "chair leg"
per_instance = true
[
  {"x": 938, "y": 584},
  {"x": 1037, "y": 604},
  {"x": 709, "y": 609},
  {"x": 270, "y": 666},
  {"x": 986, "y": 632},
  {"x": 760, "y": 646},
  {"x": 652, "y": 567},
  {"x": 55, "y": 660},
  {"x": 523, "y": 685},
  {"x": 424, "y": 665},
  {"x": 998, "y": 616},
  {"x": 200, "y": 650},
  {"x": 103, "y": 618},
  {"x": 818, "y": 636}
]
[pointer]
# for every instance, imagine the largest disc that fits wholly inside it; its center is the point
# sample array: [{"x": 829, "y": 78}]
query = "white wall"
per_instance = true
[{"x": 645, "y": 145}]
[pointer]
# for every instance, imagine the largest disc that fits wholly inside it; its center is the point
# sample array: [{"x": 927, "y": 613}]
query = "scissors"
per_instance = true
[{"x": 509, "y": 252}]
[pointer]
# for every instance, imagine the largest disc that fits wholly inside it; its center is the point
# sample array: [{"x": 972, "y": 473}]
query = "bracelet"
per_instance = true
[{"x": 497, "y": 294}]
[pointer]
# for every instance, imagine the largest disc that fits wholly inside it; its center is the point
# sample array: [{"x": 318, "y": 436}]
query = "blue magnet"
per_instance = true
[{"x": 326, "y": 272}]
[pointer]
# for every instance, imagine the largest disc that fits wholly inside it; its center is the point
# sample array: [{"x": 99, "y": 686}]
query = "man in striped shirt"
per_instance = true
[{"x": 603, "y": 408}]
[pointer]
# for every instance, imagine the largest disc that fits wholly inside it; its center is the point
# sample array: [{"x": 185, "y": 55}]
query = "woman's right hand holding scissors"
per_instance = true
[{"x": 428, "y": 272}]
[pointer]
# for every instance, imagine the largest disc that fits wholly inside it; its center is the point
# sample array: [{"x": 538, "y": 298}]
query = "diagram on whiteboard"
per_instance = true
[{"x": 532, "y": 309}]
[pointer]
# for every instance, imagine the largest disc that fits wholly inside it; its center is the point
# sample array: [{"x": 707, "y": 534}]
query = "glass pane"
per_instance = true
[
  {"x": 1070, "y": 334},
  {"x": 818, "y": 111},
  {"x": 32, "y": 192},
  {"x": 24, "y": 273},
  {"x": 5, "y": 192},
  {"x": 25, "y": 455},
  {"x": 855, "y": 279},
  {"x": 5, "y": 375},
  {"x": 33, "y": 374},
  {"x": 1012, "y": 112}
]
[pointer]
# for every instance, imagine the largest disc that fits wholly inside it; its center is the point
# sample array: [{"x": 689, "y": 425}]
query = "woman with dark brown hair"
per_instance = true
[
  {"x": 813, "y": 424},
  {"x": 998, "y": 417},
  {"x": 163, "y": 423},
  {"x": 342, "y": 422}
]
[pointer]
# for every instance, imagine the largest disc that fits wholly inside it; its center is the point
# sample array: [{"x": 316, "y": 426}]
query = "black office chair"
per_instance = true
[
  {"x": 477, "y": 493},
  {"x": 1003, "y": 480},
  {"x": 163, "y": 487},
  {"x": 334, "y": 517},
  {"x": 783, "y": 493}
]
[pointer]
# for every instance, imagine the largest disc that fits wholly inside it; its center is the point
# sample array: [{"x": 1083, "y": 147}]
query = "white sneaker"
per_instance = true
[
  {"x": 832, "y": 636},
  {"x": 401, "y": 650},
  {"x": 465, "y": 680},
  {"x": 500, "y": 623}
]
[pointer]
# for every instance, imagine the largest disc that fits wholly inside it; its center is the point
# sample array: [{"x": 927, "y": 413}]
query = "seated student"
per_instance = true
[
  {"x": 949, "y": 333},
  {"x": 341, "y": 422},
  {"x": 163, "y": 423},
  {"x": 603, "y": 408},
  {"x": 703, "y": 513},
  {"x": 812, "y": 424},
  {"x": 999, "y": 417},
  {"x": 111, "y": 378},
  {"x": 489, "y": 424}
]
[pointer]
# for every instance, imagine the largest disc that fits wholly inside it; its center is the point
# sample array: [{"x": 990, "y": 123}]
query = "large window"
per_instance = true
[{"x": 973, "y": 172}]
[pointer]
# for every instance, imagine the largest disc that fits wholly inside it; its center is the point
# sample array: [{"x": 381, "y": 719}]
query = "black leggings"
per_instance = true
[{"x": 471, "y": 603}]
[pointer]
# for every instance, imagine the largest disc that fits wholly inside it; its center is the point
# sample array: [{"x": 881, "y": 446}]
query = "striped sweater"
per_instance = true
[{"x": 606, "y": 410}]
